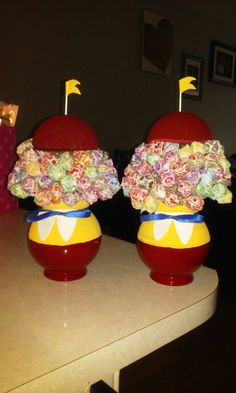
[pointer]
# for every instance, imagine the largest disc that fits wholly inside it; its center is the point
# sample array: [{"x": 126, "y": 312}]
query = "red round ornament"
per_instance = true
[
  {"x": 181, "y": 127},
  {"x": 64, "y": 133}
]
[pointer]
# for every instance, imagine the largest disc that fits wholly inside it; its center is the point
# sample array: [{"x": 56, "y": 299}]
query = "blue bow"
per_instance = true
[
  {"x": 82, "y": 213},
  {"x": 195, "y": 218}
]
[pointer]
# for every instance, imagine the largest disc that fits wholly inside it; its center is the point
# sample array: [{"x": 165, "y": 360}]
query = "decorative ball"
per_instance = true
[
  {"x": 64, "y": 133},
  {"x": 182, "y": 127}
]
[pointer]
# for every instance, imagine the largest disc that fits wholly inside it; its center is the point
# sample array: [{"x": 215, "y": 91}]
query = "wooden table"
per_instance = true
[{"x": 61, "y": 337}]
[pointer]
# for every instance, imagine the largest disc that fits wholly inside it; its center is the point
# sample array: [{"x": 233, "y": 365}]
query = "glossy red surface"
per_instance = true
[
  {"x": 64, "y": 263},
  {"x": 64, "y": 132},
  {"x": 172, "y": 266},
  {"x": 181, "y": 127}
]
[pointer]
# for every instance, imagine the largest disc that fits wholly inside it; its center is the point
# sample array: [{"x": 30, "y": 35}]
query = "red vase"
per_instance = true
[
  {"x": 64, "y": 246},
  {"x": 173, "y": 251}
]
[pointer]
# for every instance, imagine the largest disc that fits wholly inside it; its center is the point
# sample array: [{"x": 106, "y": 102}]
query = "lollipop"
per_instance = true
[
  {"x": 64, "y": 170},
  {"x": 168, "y": 179}
]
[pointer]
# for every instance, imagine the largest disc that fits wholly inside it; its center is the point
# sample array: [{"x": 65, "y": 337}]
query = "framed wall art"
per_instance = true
[
  {"x": 157, "y": 43},
  {"x": 222, "y": 64},
  {"x": 192, "y": 65}
]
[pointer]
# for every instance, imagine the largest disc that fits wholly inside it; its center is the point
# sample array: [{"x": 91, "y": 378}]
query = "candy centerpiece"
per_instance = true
[
  {"x": 65, "y": 171},
  {"x": 168, "y": 179}
]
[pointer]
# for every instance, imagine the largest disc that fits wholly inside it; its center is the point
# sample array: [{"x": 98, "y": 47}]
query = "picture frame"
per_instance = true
[
  {"x": 157, "y": 43},
  {"x": 192, "y": 65},
  {"x": 222, "y": 64}
]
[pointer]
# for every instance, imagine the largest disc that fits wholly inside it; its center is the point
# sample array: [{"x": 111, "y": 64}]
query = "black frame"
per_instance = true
[
  {"x": 222, "y": 64},
  {"x": 192, "y": 65}
]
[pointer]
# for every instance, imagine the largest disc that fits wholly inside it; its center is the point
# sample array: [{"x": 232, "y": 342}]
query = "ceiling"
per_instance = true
[{"x": 223, "y": 10}]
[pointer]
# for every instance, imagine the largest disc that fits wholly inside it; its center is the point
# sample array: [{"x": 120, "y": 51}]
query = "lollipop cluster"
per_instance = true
[
  {"x": 177, "y": 174},
  {"x": 65, "y": 176}
]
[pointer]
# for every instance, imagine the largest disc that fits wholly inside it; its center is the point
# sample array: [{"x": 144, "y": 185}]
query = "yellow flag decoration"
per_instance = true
[
  {"x": 71, "y": 87},
  {"x": 185, "y": 84}
]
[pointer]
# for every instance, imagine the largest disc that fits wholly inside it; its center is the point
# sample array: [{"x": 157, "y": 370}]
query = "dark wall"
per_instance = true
[{"x": 46, "y": 42}]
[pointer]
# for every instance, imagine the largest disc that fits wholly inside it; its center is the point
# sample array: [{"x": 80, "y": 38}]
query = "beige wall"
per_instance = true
[{"x": 99, "y": 42}]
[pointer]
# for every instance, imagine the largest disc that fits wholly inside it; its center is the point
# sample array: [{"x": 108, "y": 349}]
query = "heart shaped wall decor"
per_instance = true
[{"x": 158, "y": 43}]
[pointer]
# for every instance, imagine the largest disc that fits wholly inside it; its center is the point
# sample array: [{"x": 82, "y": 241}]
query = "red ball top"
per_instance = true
[
  {"x": 64, "y": 132},
  {"x": 182, "y": 127}
]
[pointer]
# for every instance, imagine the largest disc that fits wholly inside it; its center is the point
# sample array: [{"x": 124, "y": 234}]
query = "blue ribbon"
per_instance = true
[
  {"x": 82, "y": 213},
  {"x": 195, "y": 218}
]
